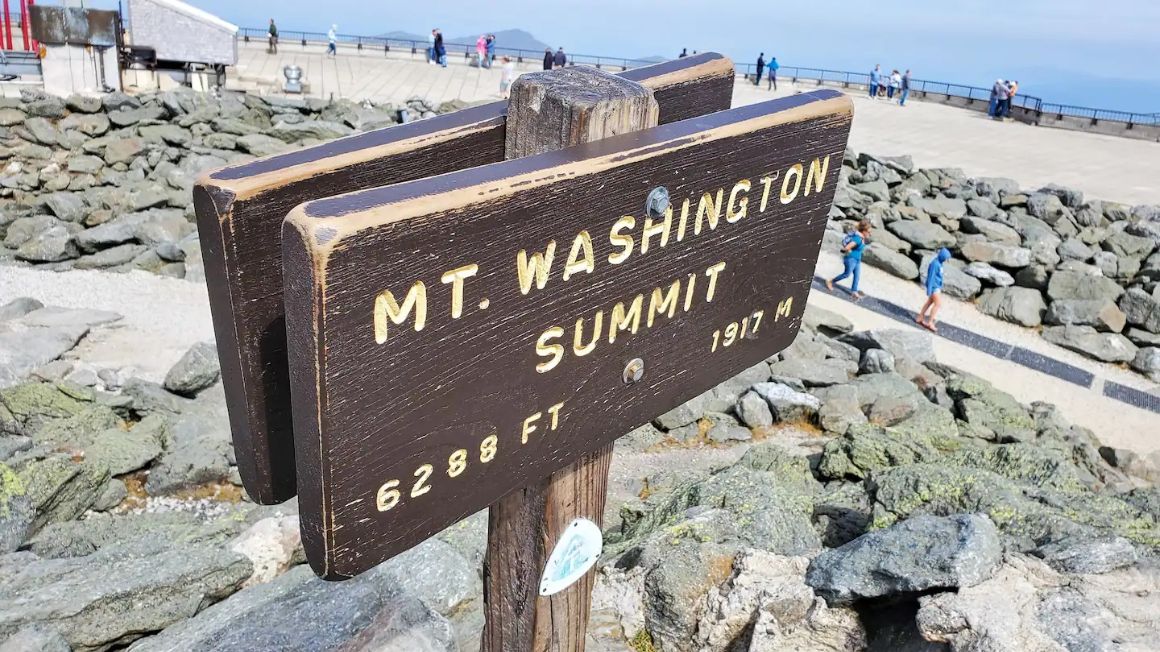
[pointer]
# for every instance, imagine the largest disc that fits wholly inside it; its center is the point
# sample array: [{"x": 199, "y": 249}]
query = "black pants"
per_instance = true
[{"x": 757, "y": 79}]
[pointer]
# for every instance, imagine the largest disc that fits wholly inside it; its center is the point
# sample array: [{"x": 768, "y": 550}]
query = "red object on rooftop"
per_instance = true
[{"x": 6, "y": 28}]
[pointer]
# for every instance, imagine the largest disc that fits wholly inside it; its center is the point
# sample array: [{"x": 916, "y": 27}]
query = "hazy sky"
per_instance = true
[{"x": 1096, "y": 53}]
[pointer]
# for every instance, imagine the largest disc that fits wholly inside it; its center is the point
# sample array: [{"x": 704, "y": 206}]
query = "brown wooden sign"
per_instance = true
[
  {"x": 240, "y": 211},
  {"x": 461, "y": 336}
]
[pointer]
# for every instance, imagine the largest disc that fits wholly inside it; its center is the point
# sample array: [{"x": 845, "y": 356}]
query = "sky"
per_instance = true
[{"x": 1104, "y": 54}]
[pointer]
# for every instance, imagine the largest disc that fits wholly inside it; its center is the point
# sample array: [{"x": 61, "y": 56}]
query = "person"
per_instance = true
[
  {"x": 490, "y": 49},
  {"x": 875, "y": 77},
  {"x": 1012, "y": 88},
  {"x": 934, "y": 284},
  {"x": 773, "y": 66},
  {"x": 332, "y": 40},
  {"x": 481, "y": 50},
  {"x": 507, "y": 76},
  {"x": 852, "y": 247},
  {"x": 440, "y": 49},
  {"x": 905, "y": 89},
  {"x": 273, "y": 36},
  {"x": 760, "y": 69},
  {"x": 993, "y": 102},
  {"x": 548, "y": 58},
  {"x": 1001, "y": 96},
  {"x": 431, "y": 48},
  {"x": 895, "y": 84},
  {"x": 684, "y": 53},
  {"x": 559, "y": 60}
]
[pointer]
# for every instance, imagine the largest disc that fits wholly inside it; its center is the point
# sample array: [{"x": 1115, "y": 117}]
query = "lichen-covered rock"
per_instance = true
[
  {"x": 865, "y": 448},
  {"x": 16, "y": 510}
]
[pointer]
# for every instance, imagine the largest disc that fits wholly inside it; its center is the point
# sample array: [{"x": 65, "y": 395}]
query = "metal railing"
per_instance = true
[{"x": 922, "y": 87}]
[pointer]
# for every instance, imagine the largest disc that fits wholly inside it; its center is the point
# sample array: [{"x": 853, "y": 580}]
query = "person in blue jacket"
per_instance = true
[
  {"x": 852, "y": 247},
  {"x": 934, "y": 284}
]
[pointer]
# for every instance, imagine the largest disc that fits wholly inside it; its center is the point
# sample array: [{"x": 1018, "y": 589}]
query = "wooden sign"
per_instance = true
[
  {"x": 240, "y": 211},
  {"x": 454, "y": 338}
]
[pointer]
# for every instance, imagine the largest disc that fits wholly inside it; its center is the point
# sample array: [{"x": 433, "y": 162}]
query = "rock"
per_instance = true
[
  {"x": 24, "y": 349},
  {"x": 1147, "y": 362},
  {"x": 753, "y": 410},
  {"x": 1108, "y": 347},
  {"x": 83, "y": 103},
  {"x": 876, "y": 190},
  {"x": 941, "y": 206},
  {"x": 1126, "y": 245},
  {"x": 168, "y": 134},
  {"x": 996, "y": 187},
  {"x": 1081, "y": 285},
  {"x": 111, "y": 257},
  {"x": 1100, "y": 313},
  {"x": 84, "y": 164},
  {"x": 127, "y": 117},
  {"x": 890, "y": 261},
  {"x": 1020, "y": 305},
  {"x": 1141, "y": 309},
  {"x": 725, "y": 429},
  {"x": 1087, "y": 556},
  {"x": 196, "y": 370},
  {"x": 1008, "y": 256},
  {"x": 908, "y": 344},
  {"x": 67, "y": 206},
  {"x": 982, "y": 208},
  {"x": 272, "y": 545},
  {"x": 684, "y": 414},
  {"x": 94, "y": 125},
  {"x": 35, "y": 638},
  {"x": 876, "y": 361},
  {"x": 919, "y": 554},
  {"x": 992, "y": 275},
  {"x": 956, "y": 283},
  {"x": 1143, "y": 338},
  {"x": 786, "y": 404},
  {"x": 59, "y": 488},
  {"x": 994, "y": 232},
  {"x": 17, "y": 511},
  {"x": 995, "y": 415},
  {"x": 198, "y": 452},
  {"x": 922, "y": 235},
  {"x": 1074, "y": 249},
  {"x": 812, "y": 373},
  {"x": 840, "y": 408},
  {"x": 52, "y": 245},
  {"x": 866, "y": 448},
  {"x": 123, "y": 150},
  {"x": 825, "y": 321},
  {"x": 42, "y": 131},
  {"x": 18, "y": 307},
  {"x": 261, "y": 144},
  {"x": 317, "y": 129},
  {"x": 115, "y": 595},
  {"x": 1046, "y": 207}
]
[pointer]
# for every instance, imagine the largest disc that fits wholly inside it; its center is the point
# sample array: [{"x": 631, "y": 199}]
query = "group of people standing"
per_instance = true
[
  {"x": 772, "y": 66},
  {"x": 559, "y": 59},
  {"x": 436, "y": 51},
  {"x": 485, "y": 50},
  {"x": 1001, "y": 95},
  {"x": 895, "y": 84}
]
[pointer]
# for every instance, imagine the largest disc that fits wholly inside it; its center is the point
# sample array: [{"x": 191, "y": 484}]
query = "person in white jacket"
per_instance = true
[{"x": 332, "y": 40}]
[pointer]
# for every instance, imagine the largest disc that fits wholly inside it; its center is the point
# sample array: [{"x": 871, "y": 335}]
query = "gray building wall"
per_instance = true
[{"x": 178, "y": 36}]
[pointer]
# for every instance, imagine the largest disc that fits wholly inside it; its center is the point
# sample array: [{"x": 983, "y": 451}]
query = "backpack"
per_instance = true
[{"x": 847, "y": 241}]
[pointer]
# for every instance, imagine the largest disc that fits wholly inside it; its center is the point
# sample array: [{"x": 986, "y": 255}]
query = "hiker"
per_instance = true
[
  {"x": 273, "y": 37},
  {"x": 431, "y": 48},
  {"x": 684, "y": 53},
  {"x": 852, "y": 247},
  {"x": 548, "y": 58},
  {"x": 507, "y": 76},
  {"x": 999, "y": 97},
  {"x": 1012, "y": 88},
  {"x": 440, "y": 49},
  {"x": 895, "y": 84},
  {"x": 490, "y": 49},
  {"x": 904, "y": 89},
  {"x": 773, "y": 66},
  {"x": 760, "y": 69},
  {"x": 875, "y": 77},
  {"x": 481, "y": 50},
  {"x": 332, "y": 41},
  {"x": 934, "y": 284},
  {"x": 559, "y": 60}
]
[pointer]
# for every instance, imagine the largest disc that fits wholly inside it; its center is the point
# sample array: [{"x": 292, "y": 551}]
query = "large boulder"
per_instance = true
[
  {"x": 196, "y": 370},
  {"x": 1107, "y": 347},
  {"x": 995, "y": 232},
  {"x": 1022, "y": 306},
  {"x": 923, "y": 235},
  {"x": 891, "y": 261},
  {"x": 1100, "y": 313},
  {"x": 917, "y": 555},
  {"x": 946, "y": 207},
  {"x": 1074, "y": 284},
  {"x": 1142, "y": 309},
  {"x": 1008, "y": 256},
  {"x": 992, "y": 275},
  {"x": 785, "y": 404}
]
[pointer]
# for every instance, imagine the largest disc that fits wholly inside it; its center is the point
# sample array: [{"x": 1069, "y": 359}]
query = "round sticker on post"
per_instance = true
[{"x": 577, "y": 551}]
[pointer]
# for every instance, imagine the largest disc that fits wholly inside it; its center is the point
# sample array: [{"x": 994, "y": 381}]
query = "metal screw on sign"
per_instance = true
[
  {"x": 657, "y": 202},
  {"x": 633, "y": 371}
]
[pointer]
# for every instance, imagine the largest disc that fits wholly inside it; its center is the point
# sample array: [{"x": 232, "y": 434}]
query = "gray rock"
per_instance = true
[
  {"x": 1125, "y": 244},
  {"x": 59, "y": 488},
  {"x": 94, "y": 125},
  {"x": 890, "y": 261},
  {"x": 261, "y": 144},
  {"x": 1143, "y": 338},
  {"x": 35, "y": 638},
  {"x": 67, "y": 206},
  {"x": 1034, "y": 277},
  {"x": 23, "y": 229},
  {"x": 902, "y": 344},
  {"x": 992, "y": 275},
  {"x": 993, "y": 231},
  {"x": 876, "y": 361},
  {"x": 1087, "y": 556},
  {"x": 83, "y": 103},
  {"x": 863, "y": 449},
  {"x": 840, "y": 409},
  {"x": 982, "y": 208},
  {"x": 1074, "y": 249},
  {"x": 876, "y": 190},
  {"x": 1147, "y": 362},
  {"x": 684, "y": 414},
  {"x": 919, "y": 554},
  {"x": 42, "y": 131},
  {"x": 123, "y": 150},
  {"x": 922, "y": 235},
  {"x": 1008, "y": 256},
  {"x": 753, "y": 410},
  {"x": 1142, "y": 309},
  {"x": 812, "y": 373},
  {"x": 49, "y": 246},
  {"x": 825, "y": 321},
  {"x": 19, "y": 307},
  {"x": 196, "y": 370},
  {"x": 198, "y": 452},
  {"x": 317, "y": 129},
  {"x": 127, "y": 117},
  {"x": 84, "y": 164},
  {"x": 1100, "y": 313},
  {"x": 1081, "y": 285},
  {"x": 786, "y": 404},
  {"x": 168, "y": 134},
  {"x": 150, "y": 398},
  {"x": 17, "y": 511},
  {"x": 996, "y": 187},
  {"x": 111, "y": 257},
  {"x": 115, "y": 595},
  {"x": 941, "y": 206},
  {"x": 1108, "y": 347}
]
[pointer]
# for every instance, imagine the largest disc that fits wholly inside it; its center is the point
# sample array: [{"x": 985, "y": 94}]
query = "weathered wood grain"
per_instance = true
[
  {"x": 547, "y": 112},
  {"x": 376, "y": 406},
  {"x": 240, "y": 211}
]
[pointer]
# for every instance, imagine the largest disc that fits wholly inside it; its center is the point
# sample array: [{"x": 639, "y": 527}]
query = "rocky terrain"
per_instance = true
[
  {"x": 850, "y": 493},
  {"x": 1085, "y": 271}
]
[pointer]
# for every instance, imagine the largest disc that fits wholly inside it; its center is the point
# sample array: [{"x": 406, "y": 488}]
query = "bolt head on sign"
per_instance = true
[{"x": 455, "y": 338}]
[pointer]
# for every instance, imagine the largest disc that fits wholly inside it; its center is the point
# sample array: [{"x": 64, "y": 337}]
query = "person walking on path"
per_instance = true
[
  {"x": 773, "y": 66},
  {"x": 684, "y": 53},
  {"x": 273, "y": 35},
  {"x": 507, "y": 76},
  {"x": 875, "y": 78},
  {"x": 332, "y": 41},
  {"x": 559, "y": 60},
  {"x": 905, "y": 89},
  {"x": 548, "y": 58},
  {"x": 934, "y": 283},
  {"x": 431, "y": 48},
  {"x": 440, "y": 49},
  {"x": 760, "y": 69},
  {"x": 852, "y": 247},
  {"x": 895, "y": 84}
]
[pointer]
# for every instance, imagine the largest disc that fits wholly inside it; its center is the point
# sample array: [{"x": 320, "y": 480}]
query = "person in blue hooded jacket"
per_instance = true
[{"x": 934, "y": 284}]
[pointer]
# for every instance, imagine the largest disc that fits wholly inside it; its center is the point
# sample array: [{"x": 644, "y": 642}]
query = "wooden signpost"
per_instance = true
[
  {"x": 479, "y": 338},
  {"x": 240, "y": 211}
]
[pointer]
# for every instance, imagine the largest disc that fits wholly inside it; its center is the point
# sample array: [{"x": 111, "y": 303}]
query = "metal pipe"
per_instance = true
[
  {"x": 26, "y": 28},
  {"x": 6, "y": 32}
]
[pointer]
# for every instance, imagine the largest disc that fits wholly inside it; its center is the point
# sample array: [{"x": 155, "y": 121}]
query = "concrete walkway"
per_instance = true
[{"x": 1104, "y": 167}]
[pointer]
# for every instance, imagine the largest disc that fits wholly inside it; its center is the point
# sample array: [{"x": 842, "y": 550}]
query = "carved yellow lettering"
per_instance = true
[
  {"x": 388, "y": 310},
  {"x": 625, "y": 320},
  {"x": 659, "y": 302},
  {"x": 817, "y": 176},
  {"x": 455, "y": 278},
  {"x": 767, "y": 182},
  {"x": 661, "y": 229},
  {"x": 580, "y": 259},
  {"x": 690, "y": 284},
  {"x": 783, "y": 309},
  {"x": 712, "y": 274},
  {"x": 710, "y": 209},
  {"x": 554, "y": 352},
  {"x": 537, "y": 267},
  {"x": 733, "y": 214},
  {"x": 555, "y": 412},
  {"x": 529, "y": 427},
  {"x": 578, "y": 347},
  {"x": 621, "y": 240},
  {"x": 795, "y": 173}
]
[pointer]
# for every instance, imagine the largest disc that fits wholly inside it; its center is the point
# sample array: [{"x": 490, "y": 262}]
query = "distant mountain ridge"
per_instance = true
[{"x": 504, "y": 38}]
